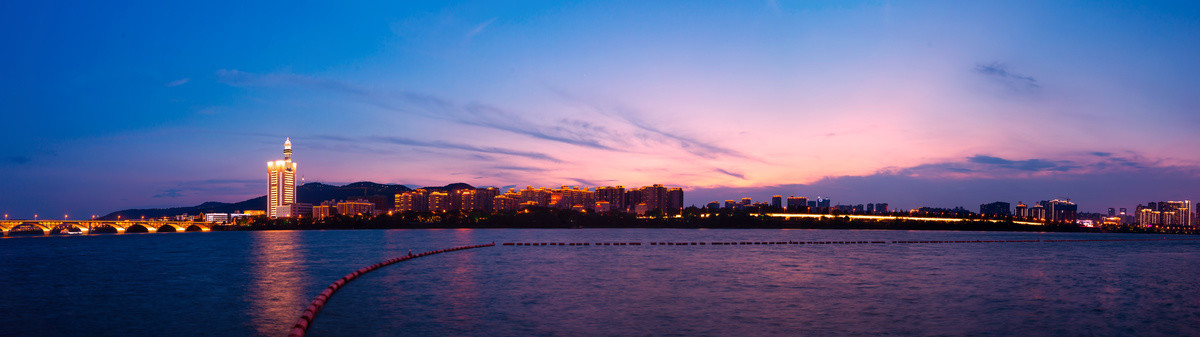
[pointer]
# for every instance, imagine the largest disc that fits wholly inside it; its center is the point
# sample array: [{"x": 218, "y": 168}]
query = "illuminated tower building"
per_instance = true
[{"x": 281, "y": 181}]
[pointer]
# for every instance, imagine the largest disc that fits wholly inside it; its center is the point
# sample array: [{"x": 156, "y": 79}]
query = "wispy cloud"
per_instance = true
[
  {"x": 478, "y": 152},
  {"x": 27, "y": 158},
  {"x": 731, "y": 174},
  {"x": 18, "y": 160},
  {"x": 999, "y": 72},
  {"x": 980, "y": 166},
  {"x": 519, "y": 168},
  {"x": 690, "y": 145},
  {"x": 433, "y": 107},
  {"x": 649, "y": 133},
  {"x": 178, "y": 82},
  {"x": 465, "y": 147},
  {"x": 585, "y": 182},
  {"x": 496, "y": 118},
  {"x": 480, "y": 27},
  {"x": 572, "y": 131},
  {"x": 1032, "y": 165},
  {"x": 212, "y": 186},
  {"x": 170, "y": 193}
]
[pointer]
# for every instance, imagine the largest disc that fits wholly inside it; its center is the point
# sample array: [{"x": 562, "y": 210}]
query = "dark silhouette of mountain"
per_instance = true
[
  {"x": 310, "y": 193},
  {"x": 450, "y": 187}
]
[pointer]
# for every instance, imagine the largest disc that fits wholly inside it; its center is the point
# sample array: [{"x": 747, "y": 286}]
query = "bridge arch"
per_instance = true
[
  {"x": 67, "y": 226},
  {"x": 139, "y": 228},
  {"x": 169, "y": 228},
  {"x": 27, "y": 227},
  {"x": 106, "y": 227}
]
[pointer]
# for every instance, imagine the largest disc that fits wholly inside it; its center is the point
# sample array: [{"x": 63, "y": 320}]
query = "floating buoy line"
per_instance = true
[{"x": 306, "y": 318}]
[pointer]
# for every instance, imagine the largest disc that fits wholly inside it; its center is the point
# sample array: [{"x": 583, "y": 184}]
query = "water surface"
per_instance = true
[{"x": 256, "y": 283}]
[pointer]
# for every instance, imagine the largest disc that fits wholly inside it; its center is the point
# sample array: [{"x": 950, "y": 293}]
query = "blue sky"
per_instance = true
[{"x": 121, "y": 105}]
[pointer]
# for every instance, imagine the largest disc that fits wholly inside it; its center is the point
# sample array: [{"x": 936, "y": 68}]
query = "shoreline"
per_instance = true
[{"x": 827, "y": 223}]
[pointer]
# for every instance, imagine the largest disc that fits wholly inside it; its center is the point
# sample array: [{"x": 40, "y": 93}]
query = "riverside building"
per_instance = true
[{"x": 281, "y": 182}]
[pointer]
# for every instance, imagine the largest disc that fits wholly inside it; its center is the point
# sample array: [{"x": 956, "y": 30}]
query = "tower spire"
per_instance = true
[{"x": 287, "y": 149}]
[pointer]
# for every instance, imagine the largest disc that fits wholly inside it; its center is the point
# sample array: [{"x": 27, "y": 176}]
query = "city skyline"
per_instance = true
[{"x": 914, "y": 104}]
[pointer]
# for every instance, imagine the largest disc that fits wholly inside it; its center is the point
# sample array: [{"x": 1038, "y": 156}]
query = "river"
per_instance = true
[{"x": 257, "y": 283}]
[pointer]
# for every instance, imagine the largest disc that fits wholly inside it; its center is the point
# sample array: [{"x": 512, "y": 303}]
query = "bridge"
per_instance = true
[{"x": 48, "y": 227}]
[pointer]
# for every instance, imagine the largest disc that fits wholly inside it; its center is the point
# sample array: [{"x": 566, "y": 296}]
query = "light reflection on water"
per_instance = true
[
  {"x": 277, "y": 273},
  {"x": 257, "y": 283}
]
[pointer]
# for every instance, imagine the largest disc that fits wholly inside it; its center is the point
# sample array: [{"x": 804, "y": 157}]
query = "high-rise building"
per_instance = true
[
  {"x": 777, "y": 201},
  {"x": 1173, "y": 214},
  {"x": 539, "y": 197},
  {"x": 356, "y": 207},
  {"x": 1037, "y": 212},
  {"x": 415, "y": 200},
  {"x": 324, "y": 210},
  {"x": 439, "y": 201},
  {"x": 654, "y": 197},
  {"x": 1059, "y": 210},
  {"x": 614, "y": 195},
  {"x": 485, "y": 198},
  {"x": 673, "y": 203},
  {"x": 462, "y": 200},
  {"x": 507, "y": 202},
  {"x": 822, "y": 202},
  {"x": 797, "y": 204},
  {"x": 281, "y": 181},
  {"x": 567, "y": 197},
  {"x": 1176, "y": 213},
  {"x": 1022, "y": 210}
]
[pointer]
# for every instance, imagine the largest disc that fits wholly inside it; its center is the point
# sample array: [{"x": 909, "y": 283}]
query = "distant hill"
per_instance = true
[{"x": 311, "y": 193}]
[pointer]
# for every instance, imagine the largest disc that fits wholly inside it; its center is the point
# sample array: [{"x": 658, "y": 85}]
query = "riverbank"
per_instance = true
[{"x": 744, "y": 221}]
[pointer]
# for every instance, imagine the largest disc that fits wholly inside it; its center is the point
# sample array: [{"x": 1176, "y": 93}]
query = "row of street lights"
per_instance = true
[{"x": 65, "y": 217}]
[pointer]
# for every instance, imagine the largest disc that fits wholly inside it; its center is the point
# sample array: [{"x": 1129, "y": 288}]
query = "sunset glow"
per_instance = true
[{"x": 915, "y": 104}]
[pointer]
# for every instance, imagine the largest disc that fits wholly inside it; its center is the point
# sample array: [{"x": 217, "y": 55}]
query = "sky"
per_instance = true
[{"x": 118, "y": 105}]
